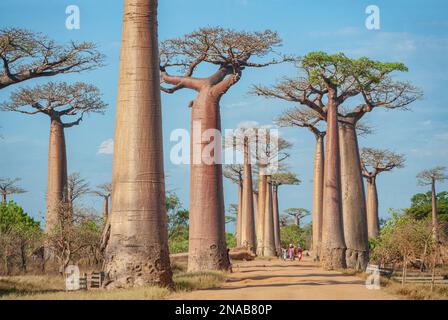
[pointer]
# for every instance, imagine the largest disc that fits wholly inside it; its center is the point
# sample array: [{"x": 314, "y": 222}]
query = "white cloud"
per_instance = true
[
  {"x": 426, "y": 123},
  {"x": 248, "y": 124},
  {"x": 106, "y": 147},
  {"x": 239, "y": 104}
]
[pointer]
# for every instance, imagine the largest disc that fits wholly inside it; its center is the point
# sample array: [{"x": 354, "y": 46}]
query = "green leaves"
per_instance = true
[
  {"x": 340, "y": 70},
  {"x": 12, "y": 216}
]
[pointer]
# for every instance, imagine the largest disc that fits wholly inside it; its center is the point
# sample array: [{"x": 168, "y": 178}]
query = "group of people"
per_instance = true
[{"x": 291, "y": 252}]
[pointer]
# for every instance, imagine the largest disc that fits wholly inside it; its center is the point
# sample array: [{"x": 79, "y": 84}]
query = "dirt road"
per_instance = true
[{"x": 277, "y": 279}]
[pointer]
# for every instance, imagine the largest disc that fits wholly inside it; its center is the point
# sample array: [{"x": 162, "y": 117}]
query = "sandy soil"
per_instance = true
[{"x": 287, "y": 280}]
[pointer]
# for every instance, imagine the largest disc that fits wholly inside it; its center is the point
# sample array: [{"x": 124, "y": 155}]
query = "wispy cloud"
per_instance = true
[
  {"x": 248, "y": 124},
  {"x": 106, "y": 147}
]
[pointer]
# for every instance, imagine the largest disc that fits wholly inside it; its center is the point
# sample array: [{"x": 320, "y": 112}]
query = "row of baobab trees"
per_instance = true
[{"x": 331, "y": 91}]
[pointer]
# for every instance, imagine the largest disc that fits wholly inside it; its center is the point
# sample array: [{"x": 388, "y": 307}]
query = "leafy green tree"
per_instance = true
[
  {"x": 19, "y": 235},
  {"x": 296, "y": 235},
  {"x": 178, "y": 218},
  {"x": 421, "y": 206}
]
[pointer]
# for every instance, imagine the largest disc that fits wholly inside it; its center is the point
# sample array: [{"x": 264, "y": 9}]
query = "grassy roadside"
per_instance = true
[
  {"x": 409, "y": 291},
  {"x": 51, "y": 287}
]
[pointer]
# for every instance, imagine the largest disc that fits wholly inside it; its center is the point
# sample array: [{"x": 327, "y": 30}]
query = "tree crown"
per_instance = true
[
  {"x": 427, "y": 177},
  {"x": 324, "y": 77},
  {"x": 57, "y": 100},
  {"x": 232, "y": 51},
  {"x": 9, "y": 186},
  {"x": 26, "y": 54},
  {"x": 282, "y": 178},
  {"x": 374, "y": 161},
  {"x": 103, "y": 190}
]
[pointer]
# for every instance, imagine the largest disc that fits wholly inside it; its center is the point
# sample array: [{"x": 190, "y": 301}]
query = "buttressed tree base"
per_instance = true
[{"x": 136, "y": 236}]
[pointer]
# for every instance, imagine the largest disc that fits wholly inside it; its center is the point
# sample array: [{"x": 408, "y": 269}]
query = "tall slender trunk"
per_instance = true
[
  {"x": 105, "y": 211},
  {"x": 318, "y": 185},
  {"x": 248, "y": 231},
  {"x": 269, "y": 240},
  {"x": 262, "y": 183},
  {"x": 137, "y": 238},
  {"x": 333, "y": 244},
  {"x": 276, "y": 218},
  {"x": 435, "y": 227},
  {"x": 239, "y": 214},
  {"x": 353, "y": 199},
  {"x": 57, "y": 192},
  {"x": 255, "y": 201},
  {"x": 207, "y": 243},
  {"x": 373, "y": 223}
]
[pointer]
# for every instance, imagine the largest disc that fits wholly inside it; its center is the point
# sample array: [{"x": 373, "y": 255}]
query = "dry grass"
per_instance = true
[
  {"x": 409, "y": 291},
  {"x": 52, "y": 287},
  {"x": 413, "y": 291}
]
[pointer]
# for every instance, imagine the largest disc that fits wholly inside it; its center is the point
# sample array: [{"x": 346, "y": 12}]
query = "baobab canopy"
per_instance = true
[
  {"x": 27, "y": 55},
  {"x": 352, "y": 77},
  {"x": 57, "y": 99},
  {"x": 226, "y": 48}
]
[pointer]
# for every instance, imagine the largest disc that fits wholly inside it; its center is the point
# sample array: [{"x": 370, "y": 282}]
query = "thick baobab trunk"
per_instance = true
[
  {"x": 276, "y": 215},
  {"x": 4, "y": 199},
  {"x": 333, "y": 244},
  {"x": 269, "y": 240},
  {"x": 57, "y": 192},
  {"x": 207, "y": 244},
  {"x": 318, "y": 184},
  {"x": 248, "y": 229},
  {"x": 353, "y": 199},
  {"x": 239, "y": 212},
  {"x": 435, "y": 227},
  {"x": 136, "y": 236},
  {"x": 262, "y": 183},
  {"x": 105, "y": 211},
  {"x": 373, "y": 224}
]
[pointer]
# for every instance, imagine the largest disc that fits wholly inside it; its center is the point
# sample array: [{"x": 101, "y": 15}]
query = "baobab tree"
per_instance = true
[
  {"x": 230, "y": 52},
  {"x": 27, "y": 55},
  {"x": 234, "y": 172},
  {"x": 325, "y": 84},
  {"x": 278, "y": 179},
  {"x": 57, "y": 101},
  {"x": 271, "y": 150},
  {"x": 243, "y": 140},
  {"x": 104, "y": 191},
  {"x": 375, "y": 161},
  {"x": 305, "y": 118},
  {"x": 297, "y": 214},
  {"x": 135, "y": 238},
  {"x": 9, "y": 186},
  {"x": 430, "y": 177}
]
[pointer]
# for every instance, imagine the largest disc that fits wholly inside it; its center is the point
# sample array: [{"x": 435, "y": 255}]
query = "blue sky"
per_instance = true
[{"x": 413, "y": 32}]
